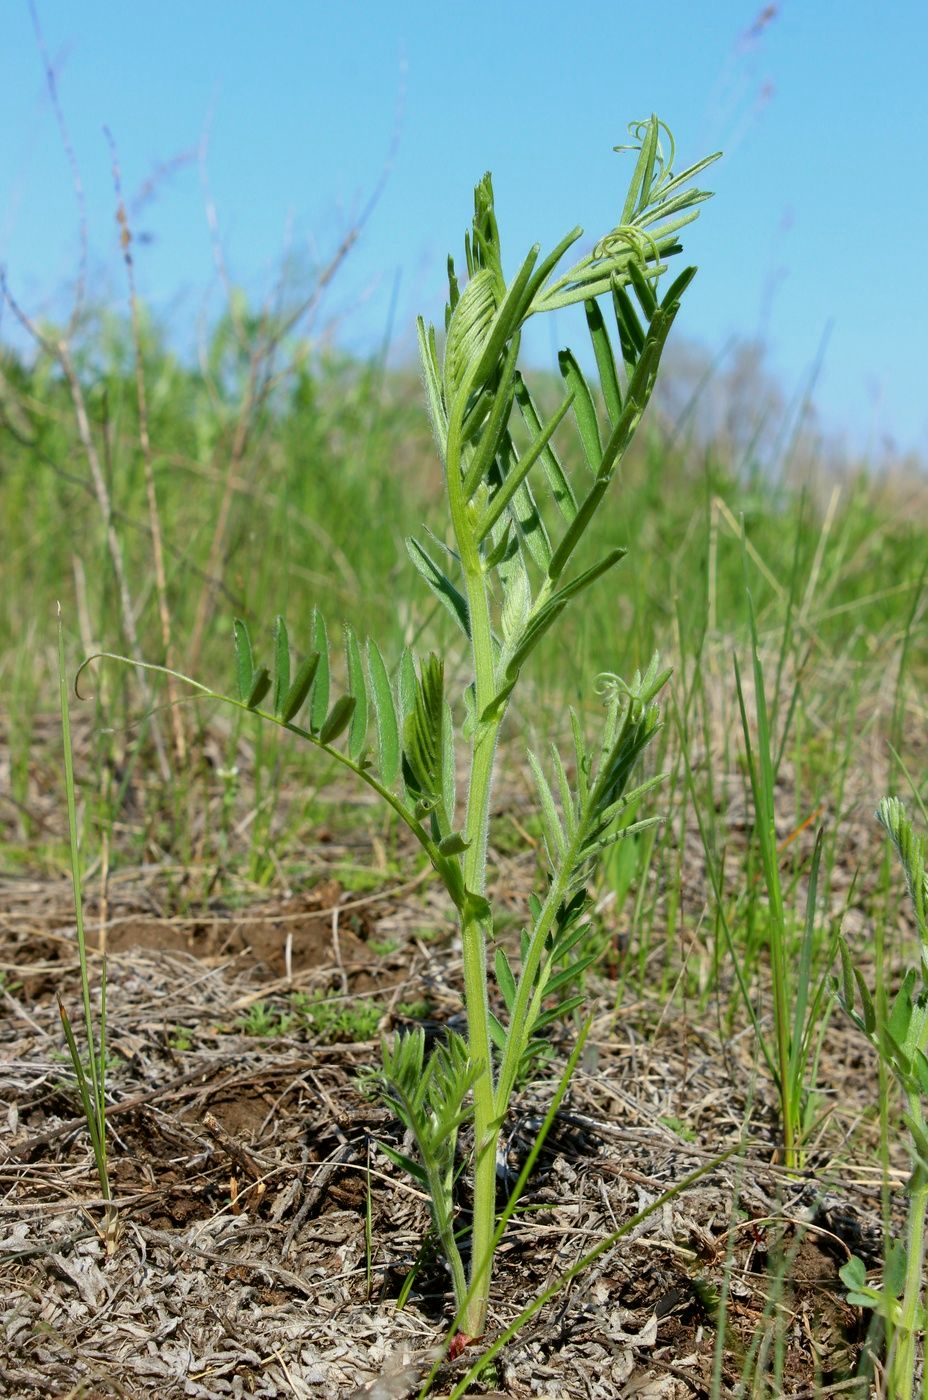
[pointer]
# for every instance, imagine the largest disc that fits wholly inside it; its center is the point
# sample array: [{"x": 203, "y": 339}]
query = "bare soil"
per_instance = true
[{"x": 263, "y": 1238}]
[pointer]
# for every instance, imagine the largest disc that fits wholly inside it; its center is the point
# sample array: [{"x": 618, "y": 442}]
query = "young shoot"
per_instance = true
[{"x": 516, "y": 516}]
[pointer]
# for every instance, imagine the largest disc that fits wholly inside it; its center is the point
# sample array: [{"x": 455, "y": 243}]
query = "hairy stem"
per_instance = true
[
  {"x": 902, "y": 1356},
  {"x": 474, "y": 926}
]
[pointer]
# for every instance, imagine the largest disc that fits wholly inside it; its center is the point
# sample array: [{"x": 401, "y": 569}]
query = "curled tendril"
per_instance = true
[
  {"x": 613, "y": 687},
  {"x": 626, "y": 236},
  {"x": 642, "y": 688},
  {"x": 638, "y": 132}
]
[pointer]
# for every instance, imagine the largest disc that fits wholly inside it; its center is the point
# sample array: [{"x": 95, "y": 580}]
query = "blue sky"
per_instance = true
[{"x": 821, "y": 201}]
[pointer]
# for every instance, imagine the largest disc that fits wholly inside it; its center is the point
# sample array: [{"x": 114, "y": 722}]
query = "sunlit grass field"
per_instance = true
[
  {"x": 273, "y": 476},
  {"x": 280, "y": 487}
]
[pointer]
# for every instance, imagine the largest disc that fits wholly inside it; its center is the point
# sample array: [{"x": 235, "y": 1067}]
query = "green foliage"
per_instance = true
[
  {"x": 579, "y": 826},
  {"x": 338, "y": 443},
  {"x": 333, "y": 1020},
  {"x": 430, "y": 1099},
  {"x": 90, "y": 1073},
  {"x": 517, "y": 516},
  {"x": 327, "y": 1020},
  {"x": 265, "y": 1021},
  {"x": 800, "y": 992}
]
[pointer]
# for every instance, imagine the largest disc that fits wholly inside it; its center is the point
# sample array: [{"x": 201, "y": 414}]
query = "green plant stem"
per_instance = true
[
  {"x": 912, "y": 1317},
  {"x": 509, "y": 1209},
  {"x": 762, "y": 786},
  {"x": 474, "y": 925},
  {"x": 561, "y": 1283},
  {"x": 486, "y": 1123},
  {"x": 92, "y": 1092},
  {"x": 440, "y": 1194},
  {"x": 912, "y": 1321},
  {"x": 95, "y": 1067},
  {"x": 792, "y": 1147}
]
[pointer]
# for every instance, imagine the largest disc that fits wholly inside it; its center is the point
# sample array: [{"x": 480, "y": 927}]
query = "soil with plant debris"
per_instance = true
[{"x": 264, "y": 1243}]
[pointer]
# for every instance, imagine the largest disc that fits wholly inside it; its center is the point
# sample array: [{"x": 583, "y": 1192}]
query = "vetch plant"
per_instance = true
[
  {"x": 900, "y": 1036},
  {"x": 517, "y": 517}
]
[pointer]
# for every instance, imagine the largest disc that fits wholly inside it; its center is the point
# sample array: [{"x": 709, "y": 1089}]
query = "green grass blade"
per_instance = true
[
  {"x": 84, "y": 1086},
  {"x": 760, "y": 767},
  {"x": 804, "y": 972},
  {"x": 93, "y": 1094}
]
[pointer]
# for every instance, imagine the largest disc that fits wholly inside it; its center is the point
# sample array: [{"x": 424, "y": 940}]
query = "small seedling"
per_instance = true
[
  {"x": 90, "y": 1072},
  {"x": 800, "y": 985},
  {"x": 505, "y": 572},
  {"x": 332, "y": 1019},
  {"x": 265, "y": 1021}
]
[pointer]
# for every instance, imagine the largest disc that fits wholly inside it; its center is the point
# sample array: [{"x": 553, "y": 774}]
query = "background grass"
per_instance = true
[
  {"x": 318, "y": 466},
  {"x": 327, "y": 463}
]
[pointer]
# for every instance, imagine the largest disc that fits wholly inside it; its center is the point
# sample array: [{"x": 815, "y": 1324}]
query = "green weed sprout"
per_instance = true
[
  {"x": 900, "y": 1037},
  {"x": 801, "y": 997},
  {"x": 517, "y": 517},
  {"x": 91, "y": 1077}
]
